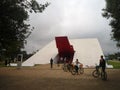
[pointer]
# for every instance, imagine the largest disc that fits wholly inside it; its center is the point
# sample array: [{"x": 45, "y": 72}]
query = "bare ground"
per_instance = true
[{"x": 43, "y": 78}]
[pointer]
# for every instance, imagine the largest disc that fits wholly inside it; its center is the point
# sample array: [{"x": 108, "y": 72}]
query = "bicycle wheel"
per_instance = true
[
  {"x": 81, "y": 70},
  {"x": 73, "y": 71},
  {"x": 95, "y": 73},
  {"x": 64, "y": 67}
]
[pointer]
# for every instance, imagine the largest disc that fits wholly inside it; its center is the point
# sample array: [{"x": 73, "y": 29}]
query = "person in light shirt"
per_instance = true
[{"x": 77, "y": 65}]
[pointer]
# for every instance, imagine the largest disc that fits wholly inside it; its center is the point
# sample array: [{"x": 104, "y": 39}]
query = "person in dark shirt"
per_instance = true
[
  {"x": 102, "y": 63},
  {"x": 51, "y": 63}
]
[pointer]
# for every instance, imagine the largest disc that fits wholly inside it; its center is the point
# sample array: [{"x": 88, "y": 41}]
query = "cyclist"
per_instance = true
[{"x": 77, "y": 65}]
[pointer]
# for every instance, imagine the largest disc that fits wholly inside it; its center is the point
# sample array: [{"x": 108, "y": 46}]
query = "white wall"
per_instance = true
[{"x": 87, "y": 51}]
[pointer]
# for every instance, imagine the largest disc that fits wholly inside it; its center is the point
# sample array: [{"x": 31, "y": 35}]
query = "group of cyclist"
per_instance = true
[
  {"x": 77, "y": 64},
  {"x": 102, "y": 64}
]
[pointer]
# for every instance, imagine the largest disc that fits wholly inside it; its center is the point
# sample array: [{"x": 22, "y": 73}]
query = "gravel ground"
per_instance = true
[{"x": 41, "y": 77}]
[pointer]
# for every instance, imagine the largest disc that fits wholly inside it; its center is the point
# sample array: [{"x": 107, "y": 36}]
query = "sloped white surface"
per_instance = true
[
  {"x": 43, "y": 56},
  {"x": 87, "y": 51}
]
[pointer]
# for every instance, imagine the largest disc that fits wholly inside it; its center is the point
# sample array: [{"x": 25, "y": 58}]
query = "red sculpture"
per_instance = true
[{"x": 65, "y": 50}]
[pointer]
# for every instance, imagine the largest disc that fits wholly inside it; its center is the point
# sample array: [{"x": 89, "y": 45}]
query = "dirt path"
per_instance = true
[{"x": 43, "y": 78}]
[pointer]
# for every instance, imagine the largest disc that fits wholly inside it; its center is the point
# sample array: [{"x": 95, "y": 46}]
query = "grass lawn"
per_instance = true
[
  {"x": 2, "y": 64},
  {"x": 115, "y": 63}
]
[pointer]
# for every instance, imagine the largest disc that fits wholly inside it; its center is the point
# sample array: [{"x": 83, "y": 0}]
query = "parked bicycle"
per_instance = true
[
  {"x": 67, "y": 67},
  {"x": 64, "y": 67},
  {"x": 99, "y": 72}
]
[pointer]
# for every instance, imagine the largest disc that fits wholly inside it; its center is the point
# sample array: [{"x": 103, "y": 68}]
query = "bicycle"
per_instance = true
[
  {"x": 80, "y": 70},
  {"x": 64, "y": 67},
  {"x": 98, "y": 72},
  {"x": 67, "y": 67}
]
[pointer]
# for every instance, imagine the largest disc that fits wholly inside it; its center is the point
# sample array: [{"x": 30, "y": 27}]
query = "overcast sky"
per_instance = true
[{"x": 72, "y": 18}]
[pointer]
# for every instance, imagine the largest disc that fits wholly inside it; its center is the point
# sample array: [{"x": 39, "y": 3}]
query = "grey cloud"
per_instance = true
[{"x": 73, "y": 18}]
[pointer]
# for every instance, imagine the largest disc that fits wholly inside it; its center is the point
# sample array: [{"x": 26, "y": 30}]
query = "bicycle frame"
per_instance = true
[
  {"x": 80, "y": 70},
  {"x": 99, "y": 72}
]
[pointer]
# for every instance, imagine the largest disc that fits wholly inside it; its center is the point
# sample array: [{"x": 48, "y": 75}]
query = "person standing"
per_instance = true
[
  {"x": 51, "y": 63},
  {"x": 102, "y": 63}
]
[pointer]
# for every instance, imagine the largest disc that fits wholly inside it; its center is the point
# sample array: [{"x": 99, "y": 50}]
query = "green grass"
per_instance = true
[
  {"x": 115, "y": 63},
  {"x": 2, "y": 64}
]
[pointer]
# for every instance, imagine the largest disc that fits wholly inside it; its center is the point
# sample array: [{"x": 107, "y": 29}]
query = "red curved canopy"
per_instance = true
[{"x": 64, "y": 47}]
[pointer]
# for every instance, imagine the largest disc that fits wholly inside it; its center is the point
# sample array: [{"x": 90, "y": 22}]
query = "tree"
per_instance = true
[
  {"x": 112, "y": 12},
  {"x": 114, "y": 56},
  {"x": 13, "y": 28}
]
